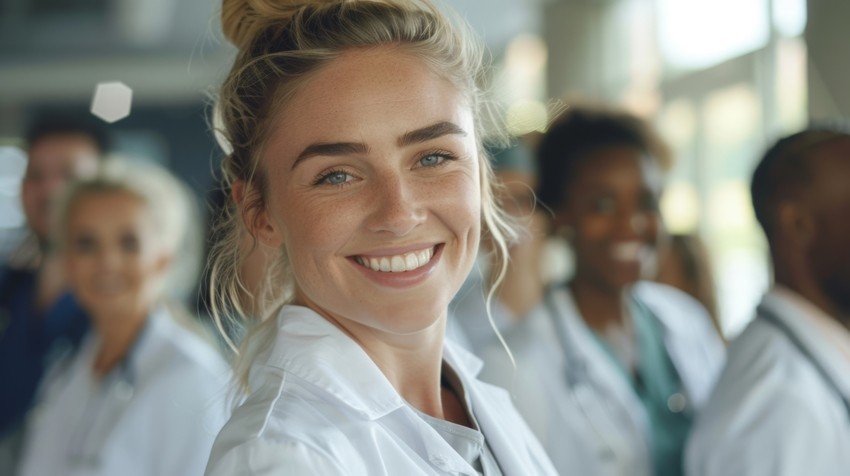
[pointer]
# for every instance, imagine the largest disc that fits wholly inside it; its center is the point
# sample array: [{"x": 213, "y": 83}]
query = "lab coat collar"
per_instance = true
[
  {"x": 490, "y": 415},
  {"x": 130, "y": 367},
  {"x": 313, "y": 349},
  {"x": 667, "y": 305},
  {"x": 460, "y": 358},
  {"x": 799, "y": 315},
  {"x": 599, "y": 364},
  {"x": 693, "y": 345}
]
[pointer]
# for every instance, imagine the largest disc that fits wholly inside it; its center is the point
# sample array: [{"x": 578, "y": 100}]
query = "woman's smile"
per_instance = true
[
  {"x": 379, "y": 209},
  {"x": 397, "y": 263}
]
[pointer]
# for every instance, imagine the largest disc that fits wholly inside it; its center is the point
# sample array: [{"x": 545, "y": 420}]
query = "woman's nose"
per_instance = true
[
  {"x": 397, "y": 207},
  {"x": 108, "y": 259}
]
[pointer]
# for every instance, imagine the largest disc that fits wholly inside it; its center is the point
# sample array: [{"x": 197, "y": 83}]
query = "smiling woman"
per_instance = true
[
  {"x": 357, "y": 161},
  {"x": 143, "y": 393},
  {"x": 612, "y": 368}
]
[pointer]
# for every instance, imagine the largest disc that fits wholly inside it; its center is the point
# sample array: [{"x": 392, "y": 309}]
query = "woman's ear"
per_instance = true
[{"x": 255, "y": 215}]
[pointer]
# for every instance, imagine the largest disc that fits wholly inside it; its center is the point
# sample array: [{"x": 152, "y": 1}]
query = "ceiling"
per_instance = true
[{"x": 166, "y": 50}]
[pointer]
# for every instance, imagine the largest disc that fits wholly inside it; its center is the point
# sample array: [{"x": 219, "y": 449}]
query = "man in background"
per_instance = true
[
  {"x": 38, "y": 317},
  {"x": 782, "y": 404}
]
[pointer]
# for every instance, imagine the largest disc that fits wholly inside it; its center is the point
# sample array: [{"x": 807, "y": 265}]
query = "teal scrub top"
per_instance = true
[{"x": 656, "y": 382}]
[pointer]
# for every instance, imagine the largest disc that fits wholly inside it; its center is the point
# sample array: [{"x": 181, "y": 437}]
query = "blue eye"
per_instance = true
[
  {"x": 432, "y": 160},
  {"x": 334, "y": 177}
]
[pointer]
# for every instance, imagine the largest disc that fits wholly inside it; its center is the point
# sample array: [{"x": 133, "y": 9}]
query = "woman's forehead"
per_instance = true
[{"x": 369, "y": 93}]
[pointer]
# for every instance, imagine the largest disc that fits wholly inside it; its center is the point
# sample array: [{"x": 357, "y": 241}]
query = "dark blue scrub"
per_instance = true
[{"x": 28, "y": 340}]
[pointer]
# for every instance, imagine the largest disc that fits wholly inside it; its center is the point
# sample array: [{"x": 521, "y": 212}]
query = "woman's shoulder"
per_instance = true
[
  {"x": 763, "y": 355},
  {"x": 260, "y": 457},
  {"x": 286, "y": 422},
  {"x": 653, "y": 294}
]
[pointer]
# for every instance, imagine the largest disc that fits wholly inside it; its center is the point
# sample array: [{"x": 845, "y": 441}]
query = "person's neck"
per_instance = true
[
  {"x": 413, "y": 365},
  {"x": 599, "y": 306},
  {"x": 117, "y": 335}
]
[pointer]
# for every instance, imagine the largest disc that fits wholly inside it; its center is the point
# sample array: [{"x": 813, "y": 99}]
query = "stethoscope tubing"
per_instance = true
[{"x": 771, "y": 318}]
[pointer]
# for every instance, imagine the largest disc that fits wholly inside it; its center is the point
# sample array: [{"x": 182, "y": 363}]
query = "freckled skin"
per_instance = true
[{"x": 391, "y": 196}]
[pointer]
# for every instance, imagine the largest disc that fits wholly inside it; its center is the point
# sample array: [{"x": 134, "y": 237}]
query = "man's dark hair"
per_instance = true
[
  {"x": 577, "y": 133},
  {"x": 83, "y": 125},
  {"x": 783, "y": 171}
]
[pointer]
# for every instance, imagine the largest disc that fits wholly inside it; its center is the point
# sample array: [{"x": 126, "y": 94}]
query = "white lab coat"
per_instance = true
[
  {"x": 773, "y": 413},
  {"x": 599, "y": 427},
  {"x": 320, "y": 406},
  {"x": 155, "y": 414}
]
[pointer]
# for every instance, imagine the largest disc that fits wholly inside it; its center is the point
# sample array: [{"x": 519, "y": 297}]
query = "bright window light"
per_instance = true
[
  {"x": 696, "y": 34},
  {"x": 789, "y": 16}
]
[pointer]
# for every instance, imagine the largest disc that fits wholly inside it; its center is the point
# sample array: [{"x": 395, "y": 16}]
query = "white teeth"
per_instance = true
[
  {"x": 398, "y": 263},
  {"x": 424, "y": 257},
  {"x": 628, "y": 251},
  {"x": 411, "y": 261}
]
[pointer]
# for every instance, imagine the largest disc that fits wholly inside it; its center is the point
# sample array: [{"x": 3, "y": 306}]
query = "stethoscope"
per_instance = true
[
  {"x": 99, "y": 417},
  {"x": 578, "y": 377},
  {"x": 770, "y": 317},
  {"x": 579, "y": 381},
  {"x": 103, "y": 411}
]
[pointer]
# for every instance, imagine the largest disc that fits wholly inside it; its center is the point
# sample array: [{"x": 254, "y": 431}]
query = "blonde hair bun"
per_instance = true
[{"x": 243, "y": 20}]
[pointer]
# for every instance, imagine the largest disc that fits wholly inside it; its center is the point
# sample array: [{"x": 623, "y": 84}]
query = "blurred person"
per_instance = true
[
  {"x": 610, "y": 368},
  {"x": 523, "y": 283},
  {"x": 38, "y": 316},
  {"x": 782, "y": 404},
  {"x": 684, "y": 264},
  {"x": 144, "y": 394},
  {"x": 357, "y": 130}
]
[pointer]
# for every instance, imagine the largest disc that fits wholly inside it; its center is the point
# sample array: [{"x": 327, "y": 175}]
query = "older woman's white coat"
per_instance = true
[{"x": 155, "y": 414}]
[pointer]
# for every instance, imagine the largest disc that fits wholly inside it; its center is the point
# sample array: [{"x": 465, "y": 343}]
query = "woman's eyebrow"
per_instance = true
[
  {"x": 331, "y": 148},
  {"x": 423, "y": 134},
  {"x": 430, "y": 132}
]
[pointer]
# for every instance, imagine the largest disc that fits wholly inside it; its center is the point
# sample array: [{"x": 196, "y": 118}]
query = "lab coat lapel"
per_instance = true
[
  {"x": 692, "y": 344},
  {"x": 601, "y": 369},
  {"x": 437, "y": 451},
  {"x": 343, "y": 370},
  {"x": 491, "y": 411},
  {"x": 822, "y": 351}
]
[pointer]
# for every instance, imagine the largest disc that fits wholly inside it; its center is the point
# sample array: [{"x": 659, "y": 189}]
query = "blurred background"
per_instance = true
[{"x": 719, "y": 78}]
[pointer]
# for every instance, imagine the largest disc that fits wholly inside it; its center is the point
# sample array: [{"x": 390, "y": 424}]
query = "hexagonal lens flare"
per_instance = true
[{"x": 112, "y": 101}]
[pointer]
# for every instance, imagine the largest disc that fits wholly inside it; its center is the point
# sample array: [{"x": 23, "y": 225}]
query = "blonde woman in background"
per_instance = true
[
  {"x": 144, "y": 394},
  {"x": 357, "y": 158}
]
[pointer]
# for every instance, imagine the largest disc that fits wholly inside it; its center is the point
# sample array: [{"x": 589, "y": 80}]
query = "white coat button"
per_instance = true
[
  {"x": 123, "y": 390},
  {"x": 677, "y": 403},
  {"x": 438, "y": 461}
]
